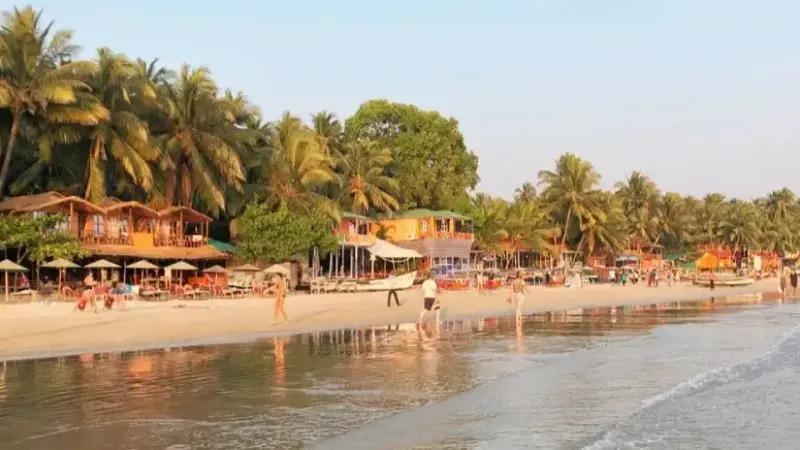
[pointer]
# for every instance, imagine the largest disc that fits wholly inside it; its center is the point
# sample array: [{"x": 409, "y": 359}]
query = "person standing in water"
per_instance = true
[
  {"x": 517, "y": 294},
  {"x": 429, "y": 291},
  {"x": 793, "y": 282},
  {"x": 712, "y": 278},
  {"x": 392, "y": 279},
  {"x": 783, "y": 283},
  {"x": 280, "y": 299}
]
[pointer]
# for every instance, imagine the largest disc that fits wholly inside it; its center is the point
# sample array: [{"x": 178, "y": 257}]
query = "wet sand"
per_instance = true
[{"x": 52, "y": 329}]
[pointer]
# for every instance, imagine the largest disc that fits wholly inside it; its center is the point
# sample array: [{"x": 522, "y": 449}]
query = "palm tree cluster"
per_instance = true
[
  {"x": 128, "y": 128},
  {"x": 571, "y": 212}
]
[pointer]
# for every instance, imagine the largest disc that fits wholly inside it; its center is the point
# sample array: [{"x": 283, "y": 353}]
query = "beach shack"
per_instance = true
[
  {"x": 76, "y": 211},
  {"x": 125, "y": 223},
  {"x": 181, "y": 226},
  {"x": 443, "y": 238},
  {"x": 351, "y": 260}
]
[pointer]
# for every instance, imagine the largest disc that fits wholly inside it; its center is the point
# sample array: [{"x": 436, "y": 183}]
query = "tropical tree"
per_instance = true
[
  {"x": 640, "y": 202},
  {"x": 677, "y": 219},
  {"x": 298, "y": 169},
  {"x": 740, "y": 226},
  {"x": 120, "y": 148},
  {"x": 199, "y": 156},
  {"x": 570, "y": 191},
  {"x": 525, "y": 193},
  {"x": 37, "y": 84},
  {"x": 365, "y": 184},
  {"x": 327, "y": 132},
  {"x": 713, "y": 211},
  {"x": 487, "y": 215},
  {"x": 525, "y": 225},
  {"x": 604, "y": 226}
]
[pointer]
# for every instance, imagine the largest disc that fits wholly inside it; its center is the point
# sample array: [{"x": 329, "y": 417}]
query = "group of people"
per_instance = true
[
  {"x": 653, "y": 277},
  {"x": 112, "y": 293}
]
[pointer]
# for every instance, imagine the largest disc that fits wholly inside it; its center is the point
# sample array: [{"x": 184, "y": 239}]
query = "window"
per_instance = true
[{"x": 423, "y": 226}]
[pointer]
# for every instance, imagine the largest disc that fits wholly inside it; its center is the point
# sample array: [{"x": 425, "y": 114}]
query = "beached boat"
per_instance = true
[
  {"x": 725, "y": 281},
  {"x": 398, "y": 283}
]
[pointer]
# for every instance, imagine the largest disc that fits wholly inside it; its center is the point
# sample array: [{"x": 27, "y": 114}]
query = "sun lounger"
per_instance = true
[
  {"x": 317, "y": 285},
  {"x": 330, "y": 286},
  {"x": 347, "y": 286}
]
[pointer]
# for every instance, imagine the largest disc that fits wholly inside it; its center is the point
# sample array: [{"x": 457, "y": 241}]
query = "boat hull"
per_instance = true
[
  {"x": 729, "y": 283},
  {"x": 397, "y": 283}
]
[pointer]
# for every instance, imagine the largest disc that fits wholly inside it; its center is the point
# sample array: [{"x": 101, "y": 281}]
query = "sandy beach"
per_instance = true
[{"x": 51, "y": 329}]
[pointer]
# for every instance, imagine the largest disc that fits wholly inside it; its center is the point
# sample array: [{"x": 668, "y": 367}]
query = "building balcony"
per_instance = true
[{"x": 459, "y": 235}]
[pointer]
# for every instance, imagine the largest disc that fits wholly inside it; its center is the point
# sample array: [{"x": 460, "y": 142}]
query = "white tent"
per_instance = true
[{"x": 387, "y": 250}]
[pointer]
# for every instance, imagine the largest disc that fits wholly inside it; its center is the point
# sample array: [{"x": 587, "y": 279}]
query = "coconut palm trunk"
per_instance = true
[{"x": 12, "y": 139}]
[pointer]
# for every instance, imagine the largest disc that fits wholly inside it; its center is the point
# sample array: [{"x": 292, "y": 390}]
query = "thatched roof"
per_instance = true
[
  {"x": 48, "y": 202},
  {"x": 189, "y": 253},
  {"x": 189, "y": 214},
  {"x": 112, "y": 205}
]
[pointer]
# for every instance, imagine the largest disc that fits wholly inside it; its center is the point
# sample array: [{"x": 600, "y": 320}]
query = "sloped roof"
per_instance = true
[
  {"x": 113, "y": 204},
  {"x": 188, "y": 213},
  {"x": 349, "y": 215},
  {"x": 47, "y": 202}
]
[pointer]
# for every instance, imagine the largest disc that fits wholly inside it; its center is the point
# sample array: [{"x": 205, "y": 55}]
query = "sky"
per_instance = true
[{"x": 702, "y": 96}]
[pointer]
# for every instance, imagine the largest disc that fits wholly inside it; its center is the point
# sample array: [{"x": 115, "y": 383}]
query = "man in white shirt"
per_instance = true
[{"x": 429, "y": 291}]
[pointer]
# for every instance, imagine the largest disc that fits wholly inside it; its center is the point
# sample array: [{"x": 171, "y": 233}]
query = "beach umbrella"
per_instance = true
[
  {"x": 9, "y": 266},
  {"x": 246, "y": 268},
  {"x": 102, "y": 264},
  {"x": 143, "y": 264},
  {"x": 215, "y": 269},
  {"x": 277, "y": 269},
  {"x": 180, "y": 266},
  {"x": 61, "y": 264}
]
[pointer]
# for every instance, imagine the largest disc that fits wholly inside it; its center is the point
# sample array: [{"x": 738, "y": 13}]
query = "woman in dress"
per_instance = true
[{"x": 517, "y": 294}]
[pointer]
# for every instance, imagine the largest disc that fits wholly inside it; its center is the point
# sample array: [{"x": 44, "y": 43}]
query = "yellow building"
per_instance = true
[{"x": 444, "y": 238}]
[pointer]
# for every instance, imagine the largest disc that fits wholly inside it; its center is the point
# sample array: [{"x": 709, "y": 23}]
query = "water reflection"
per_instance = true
[{"x": 288, "y": 391}]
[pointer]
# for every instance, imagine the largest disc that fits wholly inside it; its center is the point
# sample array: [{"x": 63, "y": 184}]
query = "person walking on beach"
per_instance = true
[
  {"x": 392, "y": 292},
  {"x": 429, "y": 291},
  {"x": 280, "y": 299},
  {"x": 783, "y": 283},
  {"x": 479, "y": 281},
  {"x": 793, "y": 282},
  {"x": 517, "y": 294},
  {"x": 711, "y": 280}
]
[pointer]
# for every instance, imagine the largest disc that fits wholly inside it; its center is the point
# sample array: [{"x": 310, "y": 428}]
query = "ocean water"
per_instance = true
[{"x": 718, "y": 373}]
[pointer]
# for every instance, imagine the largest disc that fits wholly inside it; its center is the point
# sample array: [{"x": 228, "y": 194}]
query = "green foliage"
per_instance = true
[
  {"x": 38, "y": 237},
  {"x": 429, "y": 158},
  {"x": 280, "y": 235}
]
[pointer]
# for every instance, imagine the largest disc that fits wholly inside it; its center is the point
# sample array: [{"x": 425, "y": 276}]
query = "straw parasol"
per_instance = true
[
  {"x": 180, "y": 266},
  {"x": 9, "y": 266},
  {"x": 102, "y": 264},
  {"x": 246, "y": 268},
  {"x": 277, "y": 269},
  {"x": 215, "y": 269},
  {"x": 142, "y": 265},
  {"x": 61, "y": 264}
]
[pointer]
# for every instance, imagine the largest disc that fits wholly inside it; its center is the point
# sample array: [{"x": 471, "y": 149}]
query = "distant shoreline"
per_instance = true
[{"x": 33, "y": 331}]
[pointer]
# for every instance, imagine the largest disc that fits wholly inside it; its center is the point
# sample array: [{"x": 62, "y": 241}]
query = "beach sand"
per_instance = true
[{"x": 52, "y": 329}]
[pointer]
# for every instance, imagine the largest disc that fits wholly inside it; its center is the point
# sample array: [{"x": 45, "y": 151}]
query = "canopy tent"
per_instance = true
[
  {"x": 387, "y": 250},
  {"x": 277, "y": 269},
  {"x": 61, "y": 264},
  {"x": 708, "y": 261},
  {"x": 9, "y": 266}
]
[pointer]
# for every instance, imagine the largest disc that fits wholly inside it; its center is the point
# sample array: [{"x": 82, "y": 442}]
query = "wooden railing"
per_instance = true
[{"x": 447, "y": 235}]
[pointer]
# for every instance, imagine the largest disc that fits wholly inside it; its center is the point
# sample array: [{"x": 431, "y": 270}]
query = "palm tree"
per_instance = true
[
  {"x": 677, "y": 219},
  {"x": 199, "y": 142},
  {"x": 487, "y": 217},
  {"x": 299, "y": 169},
  {"x": 740, "y": 226},
  {"x": 780, "y": 204},
  {"x": 640, "y": 202},
  {"x": 366, "y": 186},
  {"x": 604, "y": 226},
  {"x": 36, "y": 83},
  {"x": 124, "y": 139},
  {"x": 711, "y": 215},
  {"x": 525, "y": 193},
  {"x": 525, "y": 224},
  {"x": 327, "y": 132},
  {"x": 570, "y": 190}
]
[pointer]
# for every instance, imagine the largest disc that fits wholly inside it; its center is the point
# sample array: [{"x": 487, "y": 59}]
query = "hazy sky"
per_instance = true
[{"x": 700, "y": 95}]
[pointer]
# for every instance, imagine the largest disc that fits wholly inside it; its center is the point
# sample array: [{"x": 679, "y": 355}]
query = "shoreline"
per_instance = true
[{"x": 41, "y": 330}]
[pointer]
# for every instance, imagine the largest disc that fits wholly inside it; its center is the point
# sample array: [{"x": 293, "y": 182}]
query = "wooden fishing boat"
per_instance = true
[
  {"x": 397, "y": 283},
  {"x": 724, "y": 281}
]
